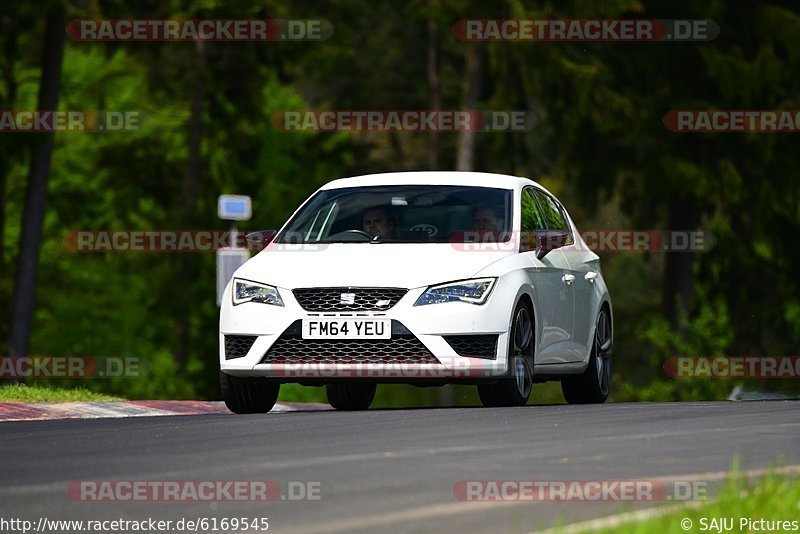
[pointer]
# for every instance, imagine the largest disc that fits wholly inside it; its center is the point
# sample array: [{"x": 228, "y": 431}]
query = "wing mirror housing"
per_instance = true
[
  {"x": 547, "y": 240},
  {"x": 258, "y": 241}
]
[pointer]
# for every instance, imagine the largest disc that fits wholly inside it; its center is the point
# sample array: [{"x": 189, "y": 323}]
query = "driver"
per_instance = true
[
  {"x": 488, "y": 223},
  {"x": 486, "y": 218},
  {"x": 378, "y": 222}
]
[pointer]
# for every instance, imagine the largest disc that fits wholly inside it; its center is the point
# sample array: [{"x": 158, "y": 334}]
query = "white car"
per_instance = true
[{"x": 424, "y": 278}]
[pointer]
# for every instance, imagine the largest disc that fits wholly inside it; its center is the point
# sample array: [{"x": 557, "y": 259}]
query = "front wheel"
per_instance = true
[
  {"x": 248, "y": 394},
  {"x": 594, "y": 385},
  {"x": 514, "y": 390},
  {"x": 351, "y": 396}
]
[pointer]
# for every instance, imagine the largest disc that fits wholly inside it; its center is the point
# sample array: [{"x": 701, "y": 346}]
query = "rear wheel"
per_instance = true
[
  {"x": 248, "y": 394},
  {"x": 515, "y": 389},
  {"x": 351, "y": 396},
  {"x": 594, "y": 385}
]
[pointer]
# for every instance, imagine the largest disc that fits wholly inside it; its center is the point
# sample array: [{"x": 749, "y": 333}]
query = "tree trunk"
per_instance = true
[
  {"x": 36, "y": 196},
  {"x": 191, "y": 181},
  {"x": 190, "y": 192},
  {"x": 10, "y": 52},
  {"x": 8, "y": 153},
  {"x": 679, "y": 267},
  {"x": 435, "y": 87},
  {"x": 476, "y": 59}
]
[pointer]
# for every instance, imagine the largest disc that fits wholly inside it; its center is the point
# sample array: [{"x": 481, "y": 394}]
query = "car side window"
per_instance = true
[
  {"x": 532, "y": 220},
  {"x": 554, "y": 215}
]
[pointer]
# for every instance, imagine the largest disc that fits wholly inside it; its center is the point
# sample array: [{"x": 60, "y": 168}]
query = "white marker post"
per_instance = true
[{"x": 231, "y": 208}]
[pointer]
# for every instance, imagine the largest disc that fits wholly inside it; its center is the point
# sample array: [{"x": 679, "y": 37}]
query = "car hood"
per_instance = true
[{"x": 367, "y": 265}]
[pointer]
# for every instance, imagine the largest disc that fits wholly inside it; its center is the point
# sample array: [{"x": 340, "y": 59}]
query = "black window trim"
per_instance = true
[
  {"x": 563, "y": 211},
  {"x": 539, "y": 207}
]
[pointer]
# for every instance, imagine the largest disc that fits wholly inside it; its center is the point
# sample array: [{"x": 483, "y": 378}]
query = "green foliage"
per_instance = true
[
  {"x": 599, "y": 143},
  {"x": 298, "y": 393},
  {"x": 708, "y": 333},
  {"x": 131, "y": 304}
]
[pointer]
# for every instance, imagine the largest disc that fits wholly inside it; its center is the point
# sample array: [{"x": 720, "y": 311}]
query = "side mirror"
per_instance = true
[
  {"x": 258, "y": 241},
  {"x": 547, "y": 240}
]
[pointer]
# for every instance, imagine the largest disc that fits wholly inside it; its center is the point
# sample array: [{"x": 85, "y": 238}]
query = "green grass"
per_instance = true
[
  {"x": 24, "y": 393},
  {"x": 772, "y": 498},
  {"x": 298, "y": 393}
]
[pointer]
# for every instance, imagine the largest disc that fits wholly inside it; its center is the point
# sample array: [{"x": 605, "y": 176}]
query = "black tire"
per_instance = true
[
  {"x": 594, "y": 385},
  {"x": 351, "y": 396},
  {"x": 248, "y": 394},
  {"x": 515, "y": 389}
]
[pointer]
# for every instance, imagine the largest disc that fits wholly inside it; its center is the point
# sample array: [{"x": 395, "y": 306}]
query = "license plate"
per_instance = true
[{"x": 347, "y": 328}]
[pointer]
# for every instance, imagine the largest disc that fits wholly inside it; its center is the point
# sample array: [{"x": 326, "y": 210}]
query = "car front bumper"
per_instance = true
[{"x": 266, "y": 324}]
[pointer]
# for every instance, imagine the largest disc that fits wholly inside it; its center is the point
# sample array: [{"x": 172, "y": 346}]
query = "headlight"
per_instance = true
[
  {"x": 472, "y": 291},
  {"x": 247, "y": 291}
]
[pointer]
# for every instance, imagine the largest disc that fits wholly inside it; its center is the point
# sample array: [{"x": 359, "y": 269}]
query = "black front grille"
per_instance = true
[
  {"x": 403, "y": 347},
  {"x": 238, "y": 346},
  {"x": 474, "y": 346},
  {"x": 329, "y": 299}
]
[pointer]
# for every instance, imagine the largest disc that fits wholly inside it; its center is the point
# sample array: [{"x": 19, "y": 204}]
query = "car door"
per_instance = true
[
  {"x": 584, "y": 264},
  {"x": 552, "y": 286},
  {"x": 573, "y": 345},
  {"x": 555, "y": 217}
]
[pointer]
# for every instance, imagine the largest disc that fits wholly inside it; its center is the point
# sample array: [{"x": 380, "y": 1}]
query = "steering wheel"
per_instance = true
[{"x": 359, "y": 232}]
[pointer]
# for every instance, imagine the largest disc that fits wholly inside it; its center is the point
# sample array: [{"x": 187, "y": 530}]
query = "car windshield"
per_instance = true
[{"x": 401, "y": 214}]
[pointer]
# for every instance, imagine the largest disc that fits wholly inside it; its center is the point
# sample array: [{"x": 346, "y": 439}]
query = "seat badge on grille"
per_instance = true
[
  {"x": 382, "y": 303},
  {"x": 347, "y": 298}
]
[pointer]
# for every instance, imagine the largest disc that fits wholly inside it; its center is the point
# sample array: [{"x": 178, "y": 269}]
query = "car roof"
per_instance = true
[{"x": 480, "y": 179}]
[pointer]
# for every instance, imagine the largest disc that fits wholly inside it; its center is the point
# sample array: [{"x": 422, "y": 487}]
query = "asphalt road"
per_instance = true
[{"x": 389, "y": 470}]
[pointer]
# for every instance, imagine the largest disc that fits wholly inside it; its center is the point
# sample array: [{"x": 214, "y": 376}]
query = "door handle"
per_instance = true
[
  {"x": 591, "y": 276},
  {"x": 568, "y": 279}
]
